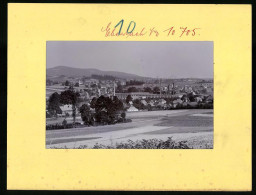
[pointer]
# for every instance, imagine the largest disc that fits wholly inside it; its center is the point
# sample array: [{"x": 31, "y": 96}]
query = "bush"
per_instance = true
[
  {"x": 123, "y": 115},
  {"x": 146, "y": 144},
  {"x": 140, "y": 144},
  {"x": 63, "y": 126},
  {"x": 206, "y": 106}
]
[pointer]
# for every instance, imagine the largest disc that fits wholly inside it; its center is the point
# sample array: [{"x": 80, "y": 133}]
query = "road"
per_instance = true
[{"x": 180, "y": 124}]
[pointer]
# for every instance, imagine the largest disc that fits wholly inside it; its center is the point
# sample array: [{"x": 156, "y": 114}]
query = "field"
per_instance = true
[{"x": 194, "y": 126}]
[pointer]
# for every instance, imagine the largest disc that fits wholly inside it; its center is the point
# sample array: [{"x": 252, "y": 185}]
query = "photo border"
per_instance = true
[{"x": 3, "y": 78}]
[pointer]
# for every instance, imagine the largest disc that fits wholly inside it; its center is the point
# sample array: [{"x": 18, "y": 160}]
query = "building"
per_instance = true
[
  {"x": 132, "y": 109},
  {"x": 162, "y": 101},
  {"x": 198, "y": 99},
  {"x": 178, "y": 101},
  {"x": 103, "y": 90},
  {"x": 142, "y": 95},
  {"x": 209, "y": 99},
  {"x": 144, "y": 102},
  {"x": 80, "y": 82},
  {"x": 66, "y": 109},
  {"x": 151, "y": 103}
]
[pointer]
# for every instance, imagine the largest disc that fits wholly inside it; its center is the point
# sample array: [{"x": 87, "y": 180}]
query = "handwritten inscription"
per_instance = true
[
  {"x": 131, "y": 29},
  {"x": 111, "y": 32}
]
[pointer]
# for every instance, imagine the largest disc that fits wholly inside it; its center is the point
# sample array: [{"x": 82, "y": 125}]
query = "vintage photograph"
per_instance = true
[{"x": 129, "y": 94}]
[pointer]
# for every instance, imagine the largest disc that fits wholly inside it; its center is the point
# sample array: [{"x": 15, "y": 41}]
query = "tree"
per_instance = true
[
  {"x": 67, "y": 83},
  {"x": 148, "y": 89},
  {"x": 138, "y": 104},
  {"x": 128, "y": 98},
  {"x": 86, "y": 114},
  {"x": 119, "y": 88},
  {"x": 101, "y": 108},
  {"x": 115, "y": 109},
  {"x": 80, "y": 99},
  {"x": 123, "y": 115},
  {"x": 149, "y": 107},
  {"x": 93, "y": 102},
  {"x": 168, "y": 100},
  {"x": 70, "y": 97},
  {"x": 64, "y": 123},
  {"x": 134, "y": 82},
  {"x": 77, "y": 85},
  {"x": 156, "y": 89},
  {"x": 191, "y": 97},
  {"x": 54, "y": 104},
  {"x": 132, "y": 89},
  {"x": 107, "y": 109},
  {"x": 117, "y": 104}
]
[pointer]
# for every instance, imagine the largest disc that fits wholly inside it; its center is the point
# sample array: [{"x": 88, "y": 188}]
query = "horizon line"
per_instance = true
[{"x": 133, "y": 73}]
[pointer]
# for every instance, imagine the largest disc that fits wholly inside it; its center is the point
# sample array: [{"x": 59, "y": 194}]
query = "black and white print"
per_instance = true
[{"x": 129, "y": 94}]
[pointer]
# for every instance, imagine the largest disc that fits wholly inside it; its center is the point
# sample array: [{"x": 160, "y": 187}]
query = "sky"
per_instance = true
[{"x": 158, "y": 59}]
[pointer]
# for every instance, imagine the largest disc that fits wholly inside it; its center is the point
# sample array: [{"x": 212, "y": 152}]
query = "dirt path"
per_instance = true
[{"x": 144, "y": 126}]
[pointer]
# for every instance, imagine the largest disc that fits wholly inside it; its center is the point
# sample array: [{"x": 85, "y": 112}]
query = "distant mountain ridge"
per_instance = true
[{"x": 87, "y": 72}]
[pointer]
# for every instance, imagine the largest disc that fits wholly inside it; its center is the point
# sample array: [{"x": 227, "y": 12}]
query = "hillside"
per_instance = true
[{"x": 87, "y": 72}]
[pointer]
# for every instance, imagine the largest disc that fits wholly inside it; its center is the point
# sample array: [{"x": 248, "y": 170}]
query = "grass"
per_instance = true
[
  {"x": 186, "y": 121},
  {"x": 59, "y": 141}
]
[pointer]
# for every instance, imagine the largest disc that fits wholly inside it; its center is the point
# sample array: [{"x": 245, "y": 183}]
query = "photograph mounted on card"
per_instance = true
[{"x": 129, "y": 97}]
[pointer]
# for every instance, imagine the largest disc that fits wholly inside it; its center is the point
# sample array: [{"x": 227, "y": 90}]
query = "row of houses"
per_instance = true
[
  {"x": 163, "y": 104},
  {"x": 149, "y": 100}
]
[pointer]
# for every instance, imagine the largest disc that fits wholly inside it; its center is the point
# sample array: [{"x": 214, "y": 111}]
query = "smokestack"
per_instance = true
[{"x": 114, "y": 94}]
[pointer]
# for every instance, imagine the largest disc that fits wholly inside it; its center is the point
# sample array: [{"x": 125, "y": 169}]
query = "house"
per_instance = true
[
  {"x": 103, "y": 90},
  {"x": 184, "y": 104},
  {"x": 80, "y": 82},
  {"x": 132, "y": 109},
  {"x": 209, "y": 99},
  {"x": 198, "y": 99},
  {"x": 162, "y": 101},
  {"x": 90, "y": 82},
  {"x": 174, "y": 105},
  {"x": 125, "y": 105},
  {"x": 66, "y": 109},
  {"x": 178, "y": 95},
  {"x": 144, "y": 102},
  {"x": 178, "y": 101},
  {"x": 151, "y": 103},
  {"x": 86, "y": 95},
  {"x": 123, "y": 83}
]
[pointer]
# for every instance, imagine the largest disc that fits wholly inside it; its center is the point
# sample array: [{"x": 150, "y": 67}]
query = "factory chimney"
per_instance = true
[{"x": 114, "y": 94}]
